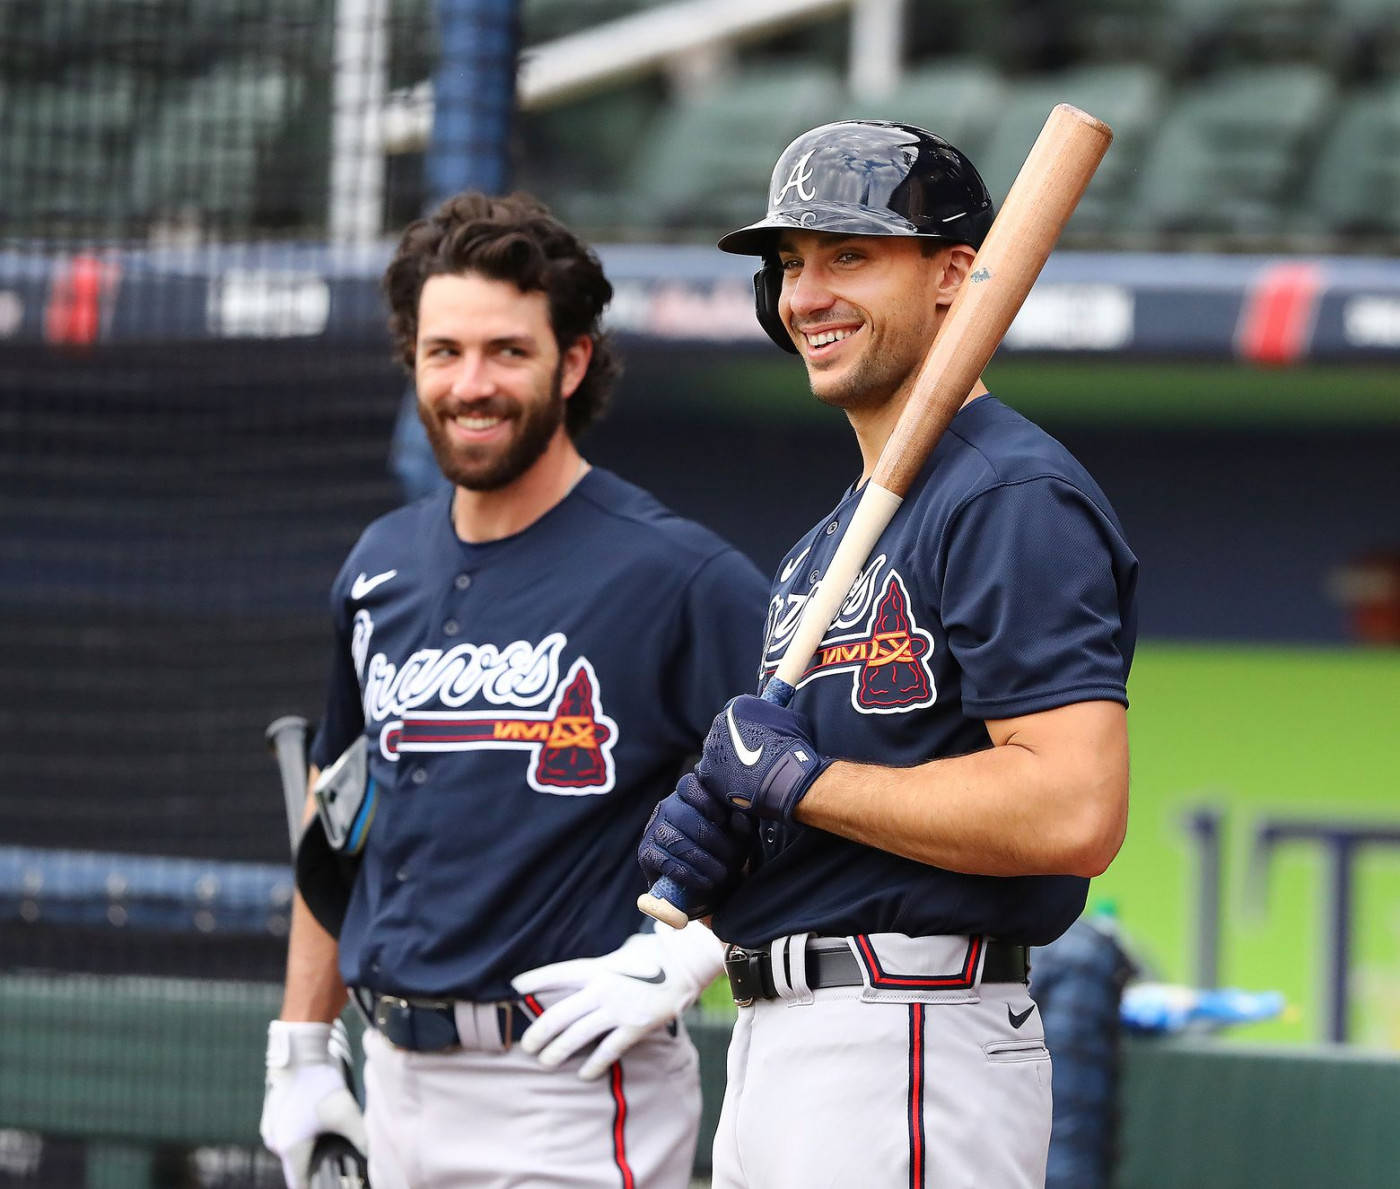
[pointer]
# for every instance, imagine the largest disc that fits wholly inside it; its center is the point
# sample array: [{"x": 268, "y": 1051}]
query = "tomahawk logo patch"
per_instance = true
[
  {"x": 559, "y": 722},
  {"x": 887, "y": 658},
  {"x": 570, "y": 744}
]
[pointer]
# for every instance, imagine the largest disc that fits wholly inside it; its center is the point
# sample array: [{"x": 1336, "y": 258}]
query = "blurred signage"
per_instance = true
[
  {"x": 1372, "y": 321},
  {"x": 1074, "y": 317},
  {"x": 11, "y": 313},
  {"x": 269, "y": 304}
]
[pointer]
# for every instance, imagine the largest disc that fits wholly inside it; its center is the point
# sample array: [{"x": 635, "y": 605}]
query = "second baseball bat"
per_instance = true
[{"x": 1046, "y": 190}]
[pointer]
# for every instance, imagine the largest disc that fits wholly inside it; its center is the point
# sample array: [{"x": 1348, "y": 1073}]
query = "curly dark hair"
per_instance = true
[{"x": 513, "y": 239}]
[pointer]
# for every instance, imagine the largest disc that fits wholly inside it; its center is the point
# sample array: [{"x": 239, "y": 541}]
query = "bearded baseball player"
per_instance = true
[
  {"x": 523, "y": 664},
  {"x": 953, "y": 767}
]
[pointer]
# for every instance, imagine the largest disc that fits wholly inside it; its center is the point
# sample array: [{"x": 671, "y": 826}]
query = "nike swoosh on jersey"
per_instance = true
[
  {"x": 362, "y": 585},
  {"x": 748, "y": 756},
  {"x": 791, "y": 567},
  {"x": 1019, "y": 1018},
  {"x": 659, "y": 977}
]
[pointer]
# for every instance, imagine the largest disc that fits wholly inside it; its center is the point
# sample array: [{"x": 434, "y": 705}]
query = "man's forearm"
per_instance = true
[
  {"x": 1019, "y": 808},
  {"x": 314, "y": 989}
]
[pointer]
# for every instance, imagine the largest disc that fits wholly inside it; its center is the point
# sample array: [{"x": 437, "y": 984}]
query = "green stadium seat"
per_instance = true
[
  {"x": 1367, "y": 33},
  {"x": 1127, "y": 96},
  {"x": 1229, "y": 157},
  {"x": 704, "y": 165},
  {"x": 202, "y": 150},
  {"x": 1207, "y": 34},
  {"x": 572, "y": 155},
  {"x": 65, "y": 159},
  {"x": 1354, "y": 186},
  {"x": 958, "y": 98}
]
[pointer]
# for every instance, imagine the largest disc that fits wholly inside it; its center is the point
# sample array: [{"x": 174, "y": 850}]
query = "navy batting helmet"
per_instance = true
[{"x": 862, "y": 177}]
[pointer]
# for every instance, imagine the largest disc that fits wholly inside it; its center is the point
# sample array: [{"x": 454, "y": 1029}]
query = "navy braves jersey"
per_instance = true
[
  {"x": 526, "y": 701},
  {"x": 1003, "y": 586}
]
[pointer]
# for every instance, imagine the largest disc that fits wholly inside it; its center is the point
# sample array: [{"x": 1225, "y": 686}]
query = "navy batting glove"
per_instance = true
[
  {"x": 761, "y": 756},
  {"x": 700, "y": 841}
]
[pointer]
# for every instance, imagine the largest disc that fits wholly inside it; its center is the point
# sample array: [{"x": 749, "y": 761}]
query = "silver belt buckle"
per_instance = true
[{"x": 381, "y": 1008}]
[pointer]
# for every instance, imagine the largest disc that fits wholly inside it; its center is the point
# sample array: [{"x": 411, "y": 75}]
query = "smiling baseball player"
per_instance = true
[
  {"x": 954, "y": 763},
  {"x": 522, "y": 664}
]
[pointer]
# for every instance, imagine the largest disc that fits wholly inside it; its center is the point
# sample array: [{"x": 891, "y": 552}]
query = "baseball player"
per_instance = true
[
  {"x": 954, "y": 765},
  {"x": 523, "y": 664}
]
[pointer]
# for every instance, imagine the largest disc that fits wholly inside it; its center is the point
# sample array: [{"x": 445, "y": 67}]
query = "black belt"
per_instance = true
[
  {"x": 430, "y": 1025},
  {"x": 830, "y": 963}
]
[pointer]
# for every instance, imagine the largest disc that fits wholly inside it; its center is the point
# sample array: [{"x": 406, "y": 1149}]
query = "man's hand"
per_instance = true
[
  {"x": 649, "y": 981},
  {"x": 760, "y": 757},
  {"x": 306, "y": 1097},
  {"x": 698, "y": 840}
]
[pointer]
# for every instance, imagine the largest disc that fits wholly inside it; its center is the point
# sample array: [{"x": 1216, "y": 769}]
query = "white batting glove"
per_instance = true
[
  {"x": 306, "y": 1097},
  {"x": 647, "y": 982}
]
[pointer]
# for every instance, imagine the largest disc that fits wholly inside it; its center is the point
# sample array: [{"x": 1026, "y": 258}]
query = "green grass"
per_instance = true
[{"x": 1102, "y": 391}]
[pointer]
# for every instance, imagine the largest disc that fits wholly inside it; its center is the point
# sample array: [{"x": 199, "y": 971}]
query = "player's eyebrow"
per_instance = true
[{"x": 785, "y": 244}]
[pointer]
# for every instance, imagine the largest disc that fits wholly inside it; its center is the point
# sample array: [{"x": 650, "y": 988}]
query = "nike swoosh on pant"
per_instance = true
[{"x": 1019, "y": 1018}]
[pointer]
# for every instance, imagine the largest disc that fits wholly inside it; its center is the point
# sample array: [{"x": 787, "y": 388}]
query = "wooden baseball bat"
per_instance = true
[{"x": 1053, "y": 179}]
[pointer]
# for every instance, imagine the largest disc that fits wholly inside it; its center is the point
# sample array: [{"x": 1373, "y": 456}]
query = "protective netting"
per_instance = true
[{"x": 135, "y": 118}]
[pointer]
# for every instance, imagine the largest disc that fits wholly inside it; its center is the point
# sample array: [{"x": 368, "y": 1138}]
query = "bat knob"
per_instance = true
[
  {"x": 279, "y": 726},
  {"x": 665, "y": 903}
]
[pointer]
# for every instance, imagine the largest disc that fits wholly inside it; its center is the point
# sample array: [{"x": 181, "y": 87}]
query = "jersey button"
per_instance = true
[
  {"x": 816, "y": 577},
  {"x": 832, "y": 527},
  {"x": 462, "y": 581},
  {"x": 451, "y": 627},
  {"x": 771, "y": 834},
  {"x": 418, "y": 775},
  {"x": 401, "y": 875}
]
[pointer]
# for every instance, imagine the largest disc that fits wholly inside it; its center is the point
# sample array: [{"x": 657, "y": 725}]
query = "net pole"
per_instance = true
[
  {"x": 473, "y": 98},
  {"x": 357, "y": 159}
]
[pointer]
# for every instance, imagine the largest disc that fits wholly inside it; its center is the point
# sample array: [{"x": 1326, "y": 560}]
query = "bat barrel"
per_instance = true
[{"x": 287, "y": 738}]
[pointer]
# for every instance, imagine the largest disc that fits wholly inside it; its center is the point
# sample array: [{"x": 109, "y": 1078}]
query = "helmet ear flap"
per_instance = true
[{"x": 767, "y": 284}]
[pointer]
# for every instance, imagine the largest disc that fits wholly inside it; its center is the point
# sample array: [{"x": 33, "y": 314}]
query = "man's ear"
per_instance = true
[
  {"x": 574, "y": 365},
  {"x": 957, "y": 263}
]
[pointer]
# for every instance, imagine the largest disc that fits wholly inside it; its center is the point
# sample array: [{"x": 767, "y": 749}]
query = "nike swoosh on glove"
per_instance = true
[
  {"x": 647, "y": 982},
  {"x": 761, "y": 757},
  {"x": 306, "y": 1096},
  {"x": 697, "y": 839}
]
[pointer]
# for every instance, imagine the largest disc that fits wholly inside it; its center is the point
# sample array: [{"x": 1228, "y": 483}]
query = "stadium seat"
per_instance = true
[
  {"x": 572, "y": 156},
  {"x": 1353, "y": 189},
  {"x": 957, "y": 98},
  {"x": 704, "y": 165},
  {"x": 202, "y": 150},
  {"x": 1203, "y": 35},
  {"x": 1229, "y": 157},
  {"x": 1126, "y": 96},
  {"x": 1367, "y": 33},
  {"x": 65, "y": 162}
]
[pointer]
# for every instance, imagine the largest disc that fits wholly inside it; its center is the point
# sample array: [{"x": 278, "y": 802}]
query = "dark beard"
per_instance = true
[{"x": 534, "y": 431}]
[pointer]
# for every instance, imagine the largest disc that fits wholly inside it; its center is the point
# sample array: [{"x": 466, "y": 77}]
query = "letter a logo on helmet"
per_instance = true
[
  {"x": 862, "y": 177},
  {"x": 799, "y": 177}
]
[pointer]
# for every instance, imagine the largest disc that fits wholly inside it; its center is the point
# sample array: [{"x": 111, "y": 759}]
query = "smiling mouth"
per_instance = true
[
  {"x": 477, "y": 422},
  {"x": 818, "y": 340}
]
